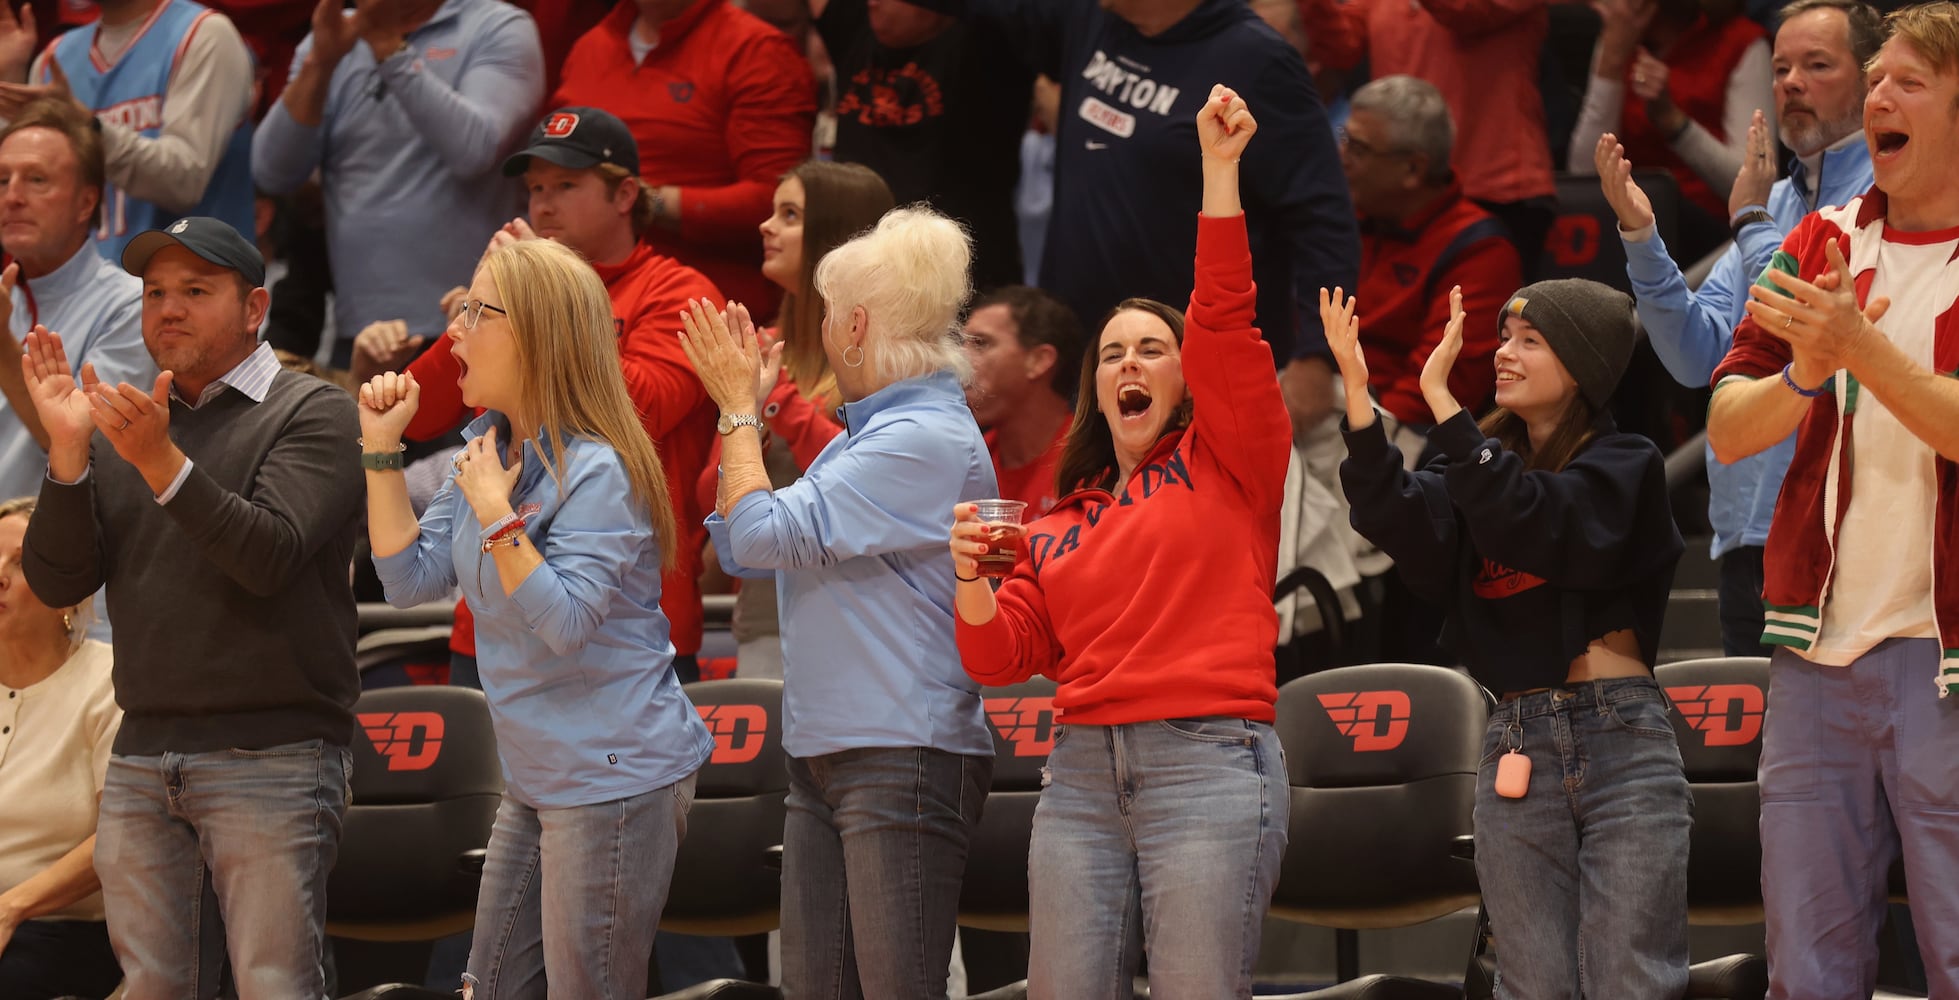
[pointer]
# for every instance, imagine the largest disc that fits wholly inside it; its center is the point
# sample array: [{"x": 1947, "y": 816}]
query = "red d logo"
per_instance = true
[
  {"x": 1026, "y": 723},
  {"x": 560, "y": 125},
  {"x": 410, "y": 740},
  {"x": 1727, "y": 715},
  {"x": 738, "y": 731},
  {"x": 1377, "y": 720}
]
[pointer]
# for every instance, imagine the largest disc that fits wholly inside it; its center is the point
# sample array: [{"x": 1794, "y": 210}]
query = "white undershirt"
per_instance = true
[{"x": 1881, "y": 586}]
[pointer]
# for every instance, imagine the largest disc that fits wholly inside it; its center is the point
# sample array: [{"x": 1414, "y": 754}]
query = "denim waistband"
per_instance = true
[{"x": 1579, "y": 696}]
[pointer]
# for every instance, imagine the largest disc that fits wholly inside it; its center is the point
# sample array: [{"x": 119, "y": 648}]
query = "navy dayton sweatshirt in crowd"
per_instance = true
[
  {"x": 1127, "y": 178},
  {"x": 1530, "y": 565}
]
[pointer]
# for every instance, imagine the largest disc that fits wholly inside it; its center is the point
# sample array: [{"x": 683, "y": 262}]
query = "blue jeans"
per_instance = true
[
  {"x": 1858, "y": 766},
  {"x": 1585, "y": 877},
  {"x": 1166, "y": 835},
  {"x": 873, "y": 855},
  {"x": 265, "y": 824},
  {"x": 577, "y": 891}
]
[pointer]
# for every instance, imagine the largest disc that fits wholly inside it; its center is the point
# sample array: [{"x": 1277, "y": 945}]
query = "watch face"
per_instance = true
[{"x": 724, "y": 425}]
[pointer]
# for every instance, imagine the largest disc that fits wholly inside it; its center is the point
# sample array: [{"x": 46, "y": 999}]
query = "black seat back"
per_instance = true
[
  {"x": 994, "y": 894},
  {"x": 1584, "y": 238},
  {"x": 1718, "y": 706},
  {"x": 1382, "y": 763},
  {"x": 723, "y": 884},
  {"x": 425, "y": 790}
]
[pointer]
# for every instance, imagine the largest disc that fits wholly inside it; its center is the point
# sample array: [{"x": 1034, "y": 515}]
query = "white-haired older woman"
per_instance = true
[{"x": 889, "y": 757}]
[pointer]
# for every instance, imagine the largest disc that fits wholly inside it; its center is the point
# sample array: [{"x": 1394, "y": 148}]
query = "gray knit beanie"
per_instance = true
[{"x": 1591, "y": 327}]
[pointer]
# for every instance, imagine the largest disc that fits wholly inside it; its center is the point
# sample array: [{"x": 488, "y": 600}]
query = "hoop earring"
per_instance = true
[{"x": 860, "y": 356}]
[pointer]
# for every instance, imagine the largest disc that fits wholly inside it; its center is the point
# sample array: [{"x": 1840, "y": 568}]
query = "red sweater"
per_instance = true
[
  {"x": 1404, "y": 299},
  {"x": 1033, "y": 483},
  {"x": 648, "y": 292},
  {"x": 722, "y": 108},
  {"x": 1158, "y": 605}
]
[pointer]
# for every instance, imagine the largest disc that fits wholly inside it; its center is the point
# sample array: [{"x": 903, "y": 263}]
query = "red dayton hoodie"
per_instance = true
[{"x": 1158, "y": 604}]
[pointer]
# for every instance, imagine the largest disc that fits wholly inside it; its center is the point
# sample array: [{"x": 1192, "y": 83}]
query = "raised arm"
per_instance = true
[{"x": 1238, "y": 409}]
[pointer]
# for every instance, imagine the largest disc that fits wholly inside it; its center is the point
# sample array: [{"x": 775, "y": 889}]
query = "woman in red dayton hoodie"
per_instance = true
[{"x": 1146, "y": 593}]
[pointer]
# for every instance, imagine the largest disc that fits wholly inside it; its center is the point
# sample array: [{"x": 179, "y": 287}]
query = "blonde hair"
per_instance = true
[
  {"x": 561, "y": 321},
  {"x": 81, "y": 615},
  {"x": 1931, "y": 29},
  {"x": 910, "y": 274}
]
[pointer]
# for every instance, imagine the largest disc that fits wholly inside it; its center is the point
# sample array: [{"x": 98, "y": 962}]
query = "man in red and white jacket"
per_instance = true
[{"x": 1861, "y": 567}]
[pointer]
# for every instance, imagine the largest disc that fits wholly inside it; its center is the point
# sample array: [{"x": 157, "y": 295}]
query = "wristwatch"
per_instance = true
[
  {"x": 1747, "y": 218},
  {"x": 729, "y": 421}
]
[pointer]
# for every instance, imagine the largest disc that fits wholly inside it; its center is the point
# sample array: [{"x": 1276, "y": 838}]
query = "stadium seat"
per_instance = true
[
  {"x": 1718, "y": 706},
  {"x": 1584, "y": 240},
  {"x": 726, "y": 881},
  {"x": 426, "y": 785},
  {"x": 994, "y": 894},
  {"x": 1381, "y": 759}
]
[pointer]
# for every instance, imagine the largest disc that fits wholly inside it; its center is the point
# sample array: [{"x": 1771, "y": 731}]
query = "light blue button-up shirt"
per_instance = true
[
  {"x": 97, "y": 308},
  {"x": 576, "y": 663},
  {"x": 863, "y": 577},
  {"x": 1691, "y": 331}
]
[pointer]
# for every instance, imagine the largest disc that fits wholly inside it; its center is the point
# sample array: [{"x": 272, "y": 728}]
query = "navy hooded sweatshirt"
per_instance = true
[{"x": 1128, "y": 182}]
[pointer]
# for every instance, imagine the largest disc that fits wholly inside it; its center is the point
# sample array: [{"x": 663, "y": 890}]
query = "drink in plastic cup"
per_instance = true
[{"x": 1003, "y": 535}]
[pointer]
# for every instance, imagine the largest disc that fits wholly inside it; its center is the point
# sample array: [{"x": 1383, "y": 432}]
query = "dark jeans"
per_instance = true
[
  {"x": 1741, "y": 602},
  {"x": 874, "y": 852},
  {"x": 58, "y": 958}
]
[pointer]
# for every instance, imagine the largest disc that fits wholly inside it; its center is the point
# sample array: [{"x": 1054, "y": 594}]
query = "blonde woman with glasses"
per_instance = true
[{"x": 556, "y": 525}]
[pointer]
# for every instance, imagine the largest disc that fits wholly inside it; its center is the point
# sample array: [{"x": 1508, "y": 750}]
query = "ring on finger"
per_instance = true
[
  {"x": 1788, "y": 321},
  {"x": 458, "y": 460}
]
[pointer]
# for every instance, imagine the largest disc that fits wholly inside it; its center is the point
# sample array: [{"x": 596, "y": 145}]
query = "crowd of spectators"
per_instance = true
[{"x": 374, "y": 151}]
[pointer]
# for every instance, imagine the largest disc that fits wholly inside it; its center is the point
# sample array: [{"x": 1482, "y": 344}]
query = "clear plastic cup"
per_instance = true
[{"x": 1003, "y": 535}]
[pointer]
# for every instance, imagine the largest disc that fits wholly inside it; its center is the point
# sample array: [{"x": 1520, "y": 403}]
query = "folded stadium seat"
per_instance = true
[
  {"x": 426, "y": 784},
  {"x": 392, "y": 657},
  {"x": 994, "y": 895},
  {"x": 1382, "y": 762},
  {"x": 724, "y": 882},
  {"x": 1717, "y": 715}
]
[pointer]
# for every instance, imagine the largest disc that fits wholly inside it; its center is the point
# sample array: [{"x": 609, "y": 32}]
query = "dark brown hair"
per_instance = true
[
  {"x": 1040, "y": 318},
  {"x": 1575, "y": 429},
  {"x": 1088, "y": 461},
  {"x": 840, "y": 200}
]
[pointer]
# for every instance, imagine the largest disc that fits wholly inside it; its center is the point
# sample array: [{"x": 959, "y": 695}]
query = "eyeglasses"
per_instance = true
[
  {"x": 1361, "y": 150},
  {"x": 472, "y": 310}
]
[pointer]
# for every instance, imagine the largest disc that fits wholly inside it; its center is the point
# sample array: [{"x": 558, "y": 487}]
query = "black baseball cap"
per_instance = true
[
  {"x": 209, "y": 238},
  {"x": 578, "y": 139}
]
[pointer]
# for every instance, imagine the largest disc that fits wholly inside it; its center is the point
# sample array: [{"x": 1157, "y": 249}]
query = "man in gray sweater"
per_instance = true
[{"x": 219, "y": 507}]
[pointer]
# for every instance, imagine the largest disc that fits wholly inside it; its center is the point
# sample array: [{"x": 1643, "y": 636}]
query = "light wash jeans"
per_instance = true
[
  {"x": 1859, "y": 765},
  {"x": 873, "y": 855},
  {"x": 266, "y": 826},
  {"x": 577, "y": 891},
  {"x": 1585, "y": 877},
  {"x": 1165, "y": 836}
]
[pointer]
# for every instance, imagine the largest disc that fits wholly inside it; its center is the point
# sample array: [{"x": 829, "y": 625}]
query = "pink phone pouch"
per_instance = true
[{"x": 1513, "y": 775}]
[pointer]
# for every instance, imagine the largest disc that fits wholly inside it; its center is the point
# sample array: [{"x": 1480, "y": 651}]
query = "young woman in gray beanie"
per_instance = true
[{"x": 1547, "y": 537}]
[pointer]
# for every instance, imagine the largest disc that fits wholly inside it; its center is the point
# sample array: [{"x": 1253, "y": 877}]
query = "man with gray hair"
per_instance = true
[{"x": 1419, "y": 237}]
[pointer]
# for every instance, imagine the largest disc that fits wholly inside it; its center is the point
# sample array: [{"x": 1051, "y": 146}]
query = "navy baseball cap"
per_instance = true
[
  {"x": 209, "y": 238},
  {"x": 578, "y": 139}
]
